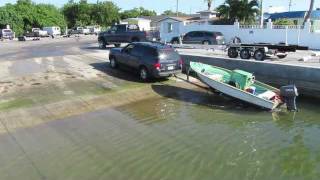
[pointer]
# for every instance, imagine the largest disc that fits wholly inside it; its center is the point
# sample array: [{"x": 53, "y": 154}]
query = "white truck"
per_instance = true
[
  {"x": 94, "y": 29},
  {"x": 53, "y": 31},
  {"x": 40, "y": 32}
]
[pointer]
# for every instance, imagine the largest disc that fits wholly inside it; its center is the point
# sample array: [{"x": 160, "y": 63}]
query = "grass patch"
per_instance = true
[{"x": 16, "y": 103}]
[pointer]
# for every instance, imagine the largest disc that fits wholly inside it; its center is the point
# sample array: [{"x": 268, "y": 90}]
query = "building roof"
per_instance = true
[
  {"x": 154, "y": 18},
  {"x": 294, "y": 15},
  {"x": 180, "y": 18},
  {"x": 136, "y": 19},
  {"x": 208, "y": 11}
]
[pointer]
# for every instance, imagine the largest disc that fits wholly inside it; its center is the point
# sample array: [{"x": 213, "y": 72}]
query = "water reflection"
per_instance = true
[
  {"x": 170, "y": 138},
  {"x": 245, "y": 142}
]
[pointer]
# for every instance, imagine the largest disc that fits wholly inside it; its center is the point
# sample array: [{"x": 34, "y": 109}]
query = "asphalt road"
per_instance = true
[{"x": 27, "y": 58}]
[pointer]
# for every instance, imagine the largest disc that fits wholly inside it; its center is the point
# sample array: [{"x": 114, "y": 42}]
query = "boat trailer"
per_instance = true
[{"x": 261, "y": 50}]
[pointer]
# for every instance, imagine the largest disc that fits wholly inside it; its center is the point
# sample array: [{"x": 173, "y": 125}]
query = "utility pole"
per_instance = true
[
  {"x": 261, "y": 13},
  {"x": 177, "y": 11},
  {"x": 290, "y": 5}
]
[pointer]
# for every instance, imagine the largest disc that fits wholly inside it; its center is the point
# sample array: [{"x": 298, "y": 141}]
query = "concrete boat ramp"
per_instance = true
[{"x": 300, "y": 68}]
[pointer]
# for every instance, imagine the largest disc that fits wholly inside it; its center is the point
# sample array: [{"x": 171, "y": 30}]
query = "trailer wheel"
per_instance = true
[
  {"x": 245, "y": 54},
  {"x": 232, "y": 52},
  {"x": 259, "y": 55}
]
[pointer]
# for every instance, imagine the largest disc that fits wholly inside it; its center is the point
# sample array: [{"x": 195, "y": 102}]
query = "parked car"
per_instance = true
[
  {"x": 201, "y": 37},
  {"x": 150, "y": 59},
  {"x": 6, "y": 34},
  {"x": 123, "y": 33},
  {"x": 94, "y": 29},
  {"x": 53, "y": 31}
]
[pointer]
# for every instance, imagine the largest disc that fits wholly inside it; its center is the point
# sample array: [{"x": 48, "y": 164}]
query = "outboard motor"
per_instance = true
[{"x": 289, "y": 94}]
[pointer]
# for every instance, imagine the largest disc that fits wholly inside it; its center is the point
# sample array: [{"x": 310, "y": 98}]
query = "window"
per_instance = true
[
  {"x": 113, "y": 28},
  {"x": 128, "y": 49},
  {"x": 189, "y": 34},
  {"x": 121, "y": 28},
  {"x": 170, "y": 27},
  {"x": 198, "y": 34},
  {"x": 149, "y": 52},
  {"x": 137, "y": 51},
  {"x": 208, "y": 34}
]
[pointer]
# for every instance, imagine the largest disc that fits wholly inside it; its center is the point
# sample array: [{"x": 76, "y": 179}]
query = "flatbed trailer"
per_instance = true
[{"x": 261, "y": 50}]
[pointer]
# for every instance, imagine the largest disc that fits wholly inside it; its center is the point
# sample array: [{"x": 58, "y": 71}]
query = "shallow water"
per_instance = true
[{"x": 184, "y": 134}]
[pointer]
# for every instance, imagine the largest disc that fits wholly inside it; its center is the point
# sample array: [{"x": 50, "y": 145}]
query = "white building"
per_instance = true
[
  {"x": 300, "y": 35},
  {"x": 144, "y": 24}
]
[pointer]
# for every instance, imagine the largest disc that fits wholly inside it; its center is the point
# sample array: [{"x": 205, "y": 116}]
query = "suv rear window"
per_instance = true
[
  {"x": 218, "y": 34},
  {"x": 150, "y": 52},
  {"x": 7, "y": 31},
  {"x": 168, "y": 55}
]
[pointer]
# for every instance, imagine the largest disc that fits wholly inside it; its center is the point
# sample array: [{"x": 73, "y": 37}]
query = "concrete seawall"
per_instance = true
[{"x": 307, "y": 79}]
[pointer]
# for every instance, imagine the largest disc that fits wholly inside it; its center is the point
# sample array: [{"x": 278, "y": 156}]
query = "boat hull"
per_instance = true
[{"x": 236, "y": 93}]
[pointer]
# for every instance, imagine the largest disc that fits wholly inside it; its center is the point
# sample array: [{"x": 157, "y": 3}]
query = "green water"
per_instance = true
[{"x": 181, "y": 135}]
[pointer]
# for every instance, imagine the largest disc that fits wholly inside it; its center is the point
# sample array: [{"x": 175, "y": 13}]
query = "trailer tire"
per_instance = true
[
  {"x": 259, "y": 55},
  {"x": 232, "y": 52},
  {"x": 245, "y": 54}
]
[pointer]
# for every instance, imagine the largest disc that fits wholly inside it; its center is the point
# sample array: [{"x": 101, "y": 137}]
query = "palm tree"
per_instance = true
[
  {"x": 209, "y": 3},
  {"x": 243, "y": 10},
  {"x": 309, "y": 11}
]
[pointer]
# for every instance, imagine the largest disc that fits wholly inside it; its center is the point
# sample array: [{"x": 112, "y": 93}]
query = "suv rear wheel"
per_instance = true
[{"x": 144, "y": 74}]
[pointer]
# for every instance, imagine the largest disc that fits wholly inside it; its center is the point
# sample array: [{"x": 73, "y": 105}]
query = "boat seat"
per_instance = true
[{"x": 267, "y": 95}]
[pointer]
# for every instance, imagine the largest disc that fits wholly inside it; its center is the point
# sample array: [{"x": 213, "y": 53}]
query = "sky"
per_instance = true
[{"x": 186, "y": 6}]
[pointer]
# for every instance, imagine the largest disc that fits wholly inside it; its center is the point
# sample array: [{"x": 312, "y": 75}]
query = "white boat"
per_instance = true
[{"x": 244, "y": 87}]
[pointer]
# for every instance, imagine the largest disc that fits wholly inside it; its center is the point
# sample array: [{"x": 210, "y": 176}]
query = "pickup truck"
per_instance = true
[{"x": 124, "y": 33}]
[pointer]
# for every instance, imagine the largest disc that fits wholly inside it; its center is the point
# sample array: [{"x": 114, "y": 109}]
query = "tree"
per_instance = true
[
  {"x": 243, "y": 10},
  {"x": 136, "y": 12},
  {"x": 83, "y": 13},
  {"x": 209, "y": 3},
  {"x": 25, "y": 15},
  {"x": 171, "y": 13},
  {"x": 308, "y": 15},
  {"x": 286, "y": 22}
]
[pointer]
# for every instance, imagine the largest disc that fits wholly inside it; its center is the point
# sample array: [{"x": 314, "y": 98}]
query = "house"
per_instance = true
[
  {"x": 144, "y": 24},
  {"x": 172, "y": 25},
  {"x": 154, "y": 20},
  {"x": 296, "y": 16}
]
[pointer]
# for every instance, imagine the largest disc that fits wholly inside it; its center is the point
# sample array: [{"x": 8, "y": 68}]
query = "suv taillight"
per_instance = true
[{"x": 157, "y": 65}]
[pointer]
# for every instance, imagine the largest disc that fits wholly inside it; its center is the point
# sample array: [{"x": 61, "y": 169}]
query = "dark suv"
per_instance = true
[
  {"x": 201, "y": 37},
  {"x": 151, "y": 59}
]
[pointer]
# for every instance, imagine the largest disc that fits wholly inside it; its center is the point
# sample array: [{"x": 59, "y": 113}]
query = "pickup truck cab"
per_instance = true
[{"x": 123, "y": 33}]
